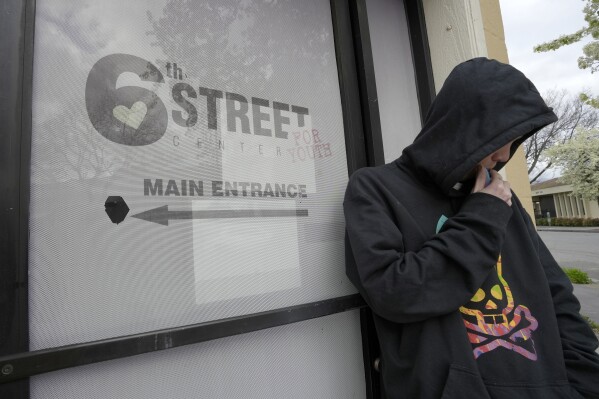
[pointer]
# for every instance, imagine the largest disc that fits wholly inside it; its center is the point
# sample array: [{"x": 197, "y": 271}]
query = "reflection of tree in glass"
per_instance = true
[
  {"x": 238, "y": 44},
  {"x": 71, "y": 149}
]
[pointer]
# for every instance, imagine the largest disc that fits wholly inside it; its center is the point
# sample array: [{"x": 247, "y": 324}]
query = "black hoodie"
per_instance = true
[{"x": 468, "y": 301}]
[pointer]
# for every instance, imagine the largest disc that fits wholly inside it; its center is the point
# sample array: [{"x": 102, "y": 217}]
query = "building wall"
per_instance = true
[
  {"x": 566, "y": 205},
  {"x": 593, "y": 209},
  {"x": 455, "y": 34},
  {"x": 462, "y": 29},
  {"x": 547, "y": 204}
]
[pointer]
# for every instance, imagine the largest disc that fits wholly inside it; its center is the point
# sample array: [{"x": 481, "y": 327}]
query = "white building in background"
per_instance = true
[{"x": 555, "y": 198}]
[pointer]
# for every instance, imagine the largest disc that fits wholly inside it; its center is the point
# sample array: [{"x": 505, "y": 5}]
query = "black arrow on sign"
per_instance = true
[{"x": 162, "y": 215}]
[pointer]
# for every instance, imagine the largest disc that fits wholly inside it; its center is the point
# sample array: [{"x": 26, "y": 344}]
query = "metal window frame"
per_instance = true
[
  {"x": 421, "y": 55},
  {"x": 425, "y": 90},
  {"x": 26, "y": 364},
  {"x": 364, "y": 147},
  {"x": 16, "y": 66}
]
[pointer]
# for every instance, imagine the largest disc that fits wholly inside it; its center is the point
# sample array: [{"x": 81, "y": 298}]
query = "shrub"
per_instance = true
[
  {"x": 569, "y": 222},
  {"x": 592, "y": 323},
  {"x": 590, "y": 222},
  {"x": 577, "y": 276}
]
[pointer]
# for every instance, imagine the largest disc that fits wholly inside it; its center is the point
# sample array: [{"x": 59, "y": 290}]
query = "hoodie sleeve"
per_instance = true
[
  {"x": 579, "y": 343},
  {"x": 444, "y": 273}
]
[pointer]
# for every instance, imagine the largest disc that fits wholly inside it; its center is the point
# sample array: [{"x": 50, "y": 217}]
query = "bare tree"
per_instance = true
[
  {"x": 573, "y": 113},
  {"x": 69, "y": 148}
]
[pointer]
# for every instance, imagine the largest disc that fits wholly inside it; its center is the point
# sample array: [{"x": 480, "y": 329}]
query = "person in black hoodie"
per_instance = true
[{"x": 467, "y": 300}]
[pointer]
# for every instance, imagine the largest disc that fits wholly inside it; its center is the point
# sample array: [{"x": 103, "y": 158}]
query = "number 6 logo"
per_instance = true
[{"x": 128, "y": 115}]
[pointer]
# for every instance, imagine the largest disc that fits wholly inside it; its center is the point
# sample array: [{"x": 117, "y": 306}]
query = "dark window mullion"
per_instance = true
[
  {"x": 355, "y": 142},
  {"x": 367, "y": 84},
  {"x": 27, "y": 364},
  {"x": 423, "y": 69},
  {"x": 373, "y": 133},
  {"x": 16, "y": 47}
]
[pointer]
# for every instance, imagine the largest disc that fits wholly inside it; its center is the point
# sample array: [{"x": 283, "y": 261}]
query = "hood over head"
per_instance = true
[{"x": 482, "y": 106}]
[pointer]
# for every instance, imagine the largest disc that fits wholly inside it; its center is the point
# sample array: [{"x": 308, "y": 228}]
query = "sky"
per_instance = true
[{"x": 530, "y": 22}]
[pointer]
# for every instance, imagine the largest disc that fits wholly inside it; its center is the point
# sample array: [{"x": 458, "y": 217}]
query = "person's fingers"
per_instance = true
[
  {"x": 498, "y": 188},
  {"x": 508, "y": 189},
  {"x": 495, "y": 175}
]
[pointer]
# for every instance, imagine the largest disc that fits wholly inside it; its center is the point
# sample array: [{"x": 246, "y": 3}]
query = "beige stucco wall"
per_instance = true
[
  {"x": 516, "y": 170},
  {"x": 592, "y": 208},
  {"x": 455, "y": 34},
  {"x": 462, "y": 29}
]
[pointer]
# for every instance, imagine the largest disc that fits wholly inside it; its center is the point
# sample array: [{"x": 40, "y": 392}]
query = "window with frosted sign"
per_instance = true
[{"x": 188, "y": 164}]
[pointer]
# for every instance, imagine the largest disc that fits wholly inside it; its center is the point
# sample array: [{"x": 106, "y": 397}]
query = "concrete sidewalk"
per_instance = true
[
  {"x": 569, "y": 229},
  {"x": 588, "y": 295}
]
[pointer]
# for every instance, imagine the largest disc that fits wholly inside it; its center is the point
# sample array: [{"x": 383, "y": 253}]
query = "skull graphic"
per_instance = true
[{"x": 492, "y": 321}]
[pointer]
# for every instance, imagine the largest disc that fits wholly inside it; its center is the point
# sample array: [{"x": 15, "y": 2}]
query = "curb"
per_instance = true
[{"x": 569, "y": 230}]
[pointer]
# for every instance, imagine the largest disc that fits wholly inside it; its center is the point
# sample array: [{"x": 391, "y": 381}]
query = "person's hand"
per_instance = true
[{"x": 497, "y": 187}]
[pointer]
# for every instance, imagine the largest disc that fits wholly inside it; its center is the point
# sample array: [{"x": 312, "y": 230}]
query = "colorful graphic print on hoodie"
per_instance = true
[{"x": 493, "y": 322}]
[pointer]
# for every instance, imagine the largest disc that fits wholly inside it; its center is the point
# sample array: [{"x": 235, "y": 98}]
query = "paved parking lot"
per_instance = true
[
  {"x": 574, "y": 249},
  {"x": 579, "y": 250}
]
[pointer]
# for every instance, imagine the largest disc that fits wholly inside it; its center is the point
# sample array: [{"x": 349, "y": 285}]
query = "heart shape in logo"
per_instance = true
[{"x": 131, "y": 116}]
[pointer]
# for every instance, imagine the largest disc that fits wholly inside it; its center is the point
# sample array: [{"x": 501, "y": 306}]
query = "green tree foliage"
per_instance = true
[
  {"x": 590, "y": 57},
  {"x": 588, "y": 99},
  {"x": 579, "y": 161},
  {"x": 591, "y": 50}
]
